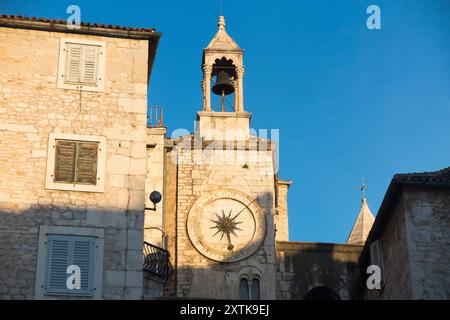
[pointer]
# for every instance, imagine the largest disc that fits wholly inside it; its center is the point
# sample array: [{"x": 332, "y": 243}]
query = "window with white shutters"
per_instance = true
[
  {"x": 64, "y": 251},
  {"x": 81, "y": 65}
]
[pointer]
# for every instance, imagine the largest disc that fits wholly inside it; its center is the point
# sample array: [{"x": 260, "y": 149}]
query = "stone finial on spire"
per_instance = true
[{"x": 221, "y": 23}]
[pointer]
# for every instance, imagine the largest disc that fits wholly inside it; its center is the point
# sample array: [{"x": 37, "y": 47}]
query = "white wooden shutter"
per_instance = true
[
  {"x": 73, "y": 62},
  {"x": 90, "y": 65}
]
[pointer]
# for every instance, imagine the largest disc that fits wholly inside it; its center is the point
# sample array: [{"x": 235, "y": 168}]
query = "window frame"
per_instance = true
[
  {"x": 62, "y": 84},
  {"x": 43, "y": 250},
  {"x": 51, "y": 159}
]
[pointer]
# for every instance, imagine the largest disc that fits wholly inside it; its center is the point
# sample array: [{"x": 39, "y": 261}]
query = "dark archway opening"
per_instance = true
[{"x": 322, "y": 293}]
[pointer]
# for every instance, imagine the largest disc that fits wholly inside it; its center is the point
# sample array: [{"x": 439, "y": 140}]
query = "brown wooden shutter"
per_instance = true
[
  {"x": 73, "y": 62},
  {"x": 65, "y": 161},
  {"x": 86, "y": 165}
]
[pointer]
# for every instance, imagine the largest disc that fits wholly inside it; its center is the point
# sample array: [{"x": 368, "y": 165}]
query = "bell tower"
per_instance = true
[{"x": 223, "y": 75}]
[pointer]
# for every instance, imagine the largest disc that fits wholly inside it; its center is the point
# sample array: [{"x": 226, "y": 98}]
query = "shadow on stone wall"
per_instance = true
[
  {"x": 19, "y": 241},
  {"x": 304, "y": 267}
]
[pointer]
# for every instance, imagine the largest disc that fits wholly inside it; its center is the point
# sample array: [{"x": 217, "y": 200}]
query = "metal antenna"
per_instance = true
[{"x": 221, "y": 7}]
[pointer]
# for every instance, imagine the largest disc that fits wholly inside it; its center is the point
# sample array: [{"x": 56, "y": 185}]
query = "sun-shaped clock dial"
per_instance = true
[{"x": 226, "y": 225}]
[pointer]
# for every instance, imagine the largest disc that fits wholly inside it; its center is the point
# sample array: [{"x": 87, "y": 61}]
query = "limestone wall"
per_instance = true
[
  {"x": 153, "y": 226},
  {"x": 31, "y": 107},
  {"x": 396, "y": 261},
  {"x": 428, "y": 228},
  {"x": 303, "y": 266},
  {"x": 198, "y": 276},
  {"x": 415, "y": 245},
  {"x": 281, "y": 214}
]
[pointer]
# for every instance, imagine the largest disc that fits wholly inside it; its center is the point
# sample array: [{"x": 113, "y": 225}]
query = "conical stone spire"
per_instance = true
[{"x": 363, "y": 222}]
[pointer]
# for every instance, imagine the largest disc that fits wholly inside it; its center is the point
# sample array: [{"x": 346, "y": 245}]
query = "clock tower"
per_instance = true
[{"x": 226, "y": 190}]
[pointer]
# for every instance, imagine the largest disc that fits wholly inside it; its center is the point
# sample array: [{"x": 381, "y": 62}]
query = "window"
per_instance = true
[
  {"x": 75, "y": 162},
  {"x": 64, "y": 251},
  {"x": 243, "y": 289},
  {"x": 61, "y": 247},
  {"x": 249, "y": 288},
  {"x": 81, "y": 65}
]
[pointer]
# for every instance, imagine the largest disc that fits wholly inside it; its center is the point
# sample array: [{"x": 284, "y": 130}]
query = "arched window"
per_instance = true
[
  {"x": 249, "y": 288},
  {"x": 243, "y": 289}
]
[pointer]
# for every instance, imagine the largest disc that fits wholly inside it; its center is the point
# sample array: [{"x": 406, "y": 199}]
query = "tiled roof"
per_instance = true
[
  {"x": 83, "y": 24},
  {"x": 441, "y": 176}
]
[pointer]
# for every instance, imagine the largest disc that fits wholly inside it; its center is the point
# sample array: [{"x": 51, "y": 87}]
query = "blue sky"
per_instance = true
[{"x": 349, "y": 102}]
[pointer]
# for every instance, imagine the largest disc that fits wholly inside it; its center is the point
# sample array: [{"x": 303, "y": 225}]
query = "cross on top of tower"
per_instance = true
[{"x": 363, "y": 187}]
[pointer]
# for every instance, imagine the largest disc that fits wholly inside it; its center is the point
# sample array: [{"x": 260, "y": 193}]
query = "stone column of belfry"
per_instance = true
[
  {"x": 236, "y": 100},
  {"x": 240, "y": 84},
  {"x": 202, "y": 84},
  {"x": 207, "y": 86}
]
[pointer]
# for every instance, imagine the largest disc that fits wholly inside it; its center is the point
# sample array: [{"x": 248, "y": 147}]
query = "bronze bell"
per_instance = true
[{"x": 223, "y": 84}]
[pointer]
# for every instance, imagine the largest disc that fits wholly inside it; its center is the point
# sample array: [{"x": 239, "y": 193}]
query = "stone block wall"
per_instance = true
[
  {"x": 32, "y": 107},
  {"x": 428, "y": 226},
  {"x": 396, "y": 260},
  {"x": 302, "y": 266},
  {"x": 281, "y": 214},
  {"x": 153, "y": 226},
  {"x": 415, "y": 246}
]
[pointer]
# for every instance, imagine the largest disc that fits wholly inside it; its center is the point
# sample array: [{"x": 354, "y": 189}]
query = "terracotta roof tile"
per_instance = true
[
  {"x": 440, "y": 176},
  {"x": 84, "y": 24}
]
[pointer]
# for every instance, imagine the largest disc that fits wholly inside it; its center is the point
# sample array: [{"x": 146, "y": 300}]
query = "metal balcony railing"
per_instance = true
[
  {"x": 155, "y": 117},
  {"x": 157, "y": 263}
]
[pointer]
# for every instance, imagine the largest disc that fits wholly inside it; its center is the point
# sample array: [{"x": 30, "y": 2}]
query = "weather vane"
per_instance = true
[{"x": 363, "y": 187}]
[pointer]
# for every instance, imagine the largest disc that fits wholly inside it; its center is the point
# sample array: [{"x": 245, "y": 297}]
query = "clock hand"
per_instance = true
[
  {"x": 230, "y": 245},
  {"x": 245, "y": 207}
]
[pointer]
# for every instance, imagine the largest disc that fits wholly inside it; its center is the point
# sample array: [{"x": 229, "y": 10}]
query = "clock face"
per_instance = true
[{"x": 226, "y": 225}]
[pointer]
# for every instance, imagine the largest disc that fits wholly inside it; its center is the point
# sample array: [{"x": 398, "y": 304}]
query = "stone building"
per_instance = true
[
  {"x": 90, "y": 180},
  {"x": 410, "y": 239},
  {"x": 73, "y": 114}
]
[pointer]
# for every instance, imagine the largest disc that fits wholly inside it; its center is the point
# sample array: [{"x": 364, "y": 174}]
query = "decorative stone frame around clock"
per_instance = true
[{"x": 193, "y": 225}]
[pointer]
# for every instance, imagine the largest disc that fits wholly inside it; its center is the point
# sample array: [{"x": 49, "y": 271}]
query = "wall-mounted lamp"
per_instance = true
[{"x": 155, "y": 197}]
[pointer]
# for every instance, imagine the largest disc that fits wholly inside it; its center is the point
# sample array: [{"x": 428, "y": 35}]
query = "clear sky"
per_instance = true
[{"x": 349, "y": 102}]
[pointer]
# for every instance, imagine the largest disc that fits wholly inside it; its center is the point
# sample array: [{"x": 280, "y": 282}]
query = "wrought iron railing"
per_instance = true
[
  {"x": 157, "y": 262},
  {"x": 154, "y": 117}
]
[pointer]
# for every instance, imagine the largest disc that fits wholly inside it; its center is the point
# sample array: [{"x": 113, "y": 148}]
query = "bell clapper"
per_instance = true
[{"x": 223, "y": 100}]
